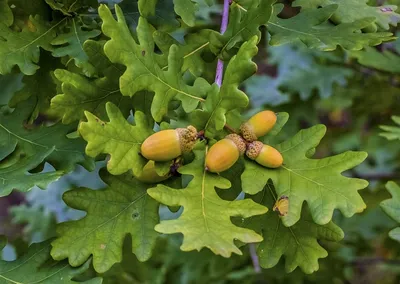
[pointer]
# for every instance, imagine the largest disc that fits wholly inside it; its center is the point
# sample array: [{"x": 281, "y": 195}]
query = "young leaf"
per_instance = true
[
  {"x": 242, "y": 28},
  {"x": 22, "y": 48},
  {"x": 143, "y": 70},
  {"x": 352, "y": 10},
  {"x": 118, "y": 138},
  {"x": 392, "y": 208},
  {"x": 36, "y": 266},
  {"x": 240, "y": 67},
  {"x": 306, "y": 26},
  {"x": 392, "y": 132},
  {"x": 317, "y": 181},
  {"x": 112, "y": 213},
  {"x": 85, "y": 94},
  {"x": 71, "y": 44},
  {"x": 203, "y": 223},
  {"x": 386, "y": 60},
  {"x": 299, "y": 243}
]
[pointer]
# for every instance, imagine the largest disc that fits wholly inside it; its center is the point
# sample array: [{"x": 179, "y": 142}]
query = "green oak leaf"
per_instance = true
[
  {"x": 147, "y": 7},
  {"x": 118, "y": 138},
  {"x": 23, "y": 48},
  {"x": 6, "y": 15},
  {"x": 242, "y": 26},
  {"x": 36, "y": 266},
  {"x": 392, "y": 132},
  {"x": 392, "y": 207},
  {"x": 298, "y": 243},
  {"x": 164, "y": 18},
  {"x": 306, "y": 26},
  {"x": 80, "y": 93},
  {"x": 320, "y": 77},
  {"x": 212, "y": 117},
  {"x": 193, "y": 49},
  {"x": 352, "y": 10},
  {"x": 71, "y": 44},
  {"x": 120, "y": 209},
  {"x": 319, "y": 182},
  {"x": 385, "y": 61},
  {"x": 30, "y": 139},
  {"x": 37, "y": 221},
  {"x": 186, "y": 9},
  {"x": 10, "y": 84},
  {"x": 203, "y": 223},
  {"x": 16, "y": 176},
  {"x": 69, "y": 7},
  {"x": 143, "y": 69},
  {"x": 41, "y": 86}
]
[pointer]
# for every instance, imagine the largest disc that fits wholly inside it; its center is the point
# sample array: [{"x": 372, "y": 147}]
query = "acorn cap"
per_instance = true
[
  {"x": 187, "y": 138},
  {"x": 258, "y": 125},
  {"x": 247, "y": 132},
  {"x": 239, "y": 142},
  {"x": 254, "y": 149}
]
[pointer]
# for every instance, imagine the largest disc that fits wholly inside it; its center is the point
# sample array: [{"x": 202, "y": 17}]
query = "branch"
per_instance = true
[{"x": 224, "y": 24}]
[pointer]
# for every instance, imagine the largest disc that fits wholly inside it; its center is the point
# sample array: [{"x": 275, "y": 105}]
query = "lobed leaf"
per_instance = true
[
  {"x": 385, "y": 61},
  {"x": 212, "y": 117},
  {"x": 298, "y": 243},
  {"x": 352, "y": 10},
  {"x": 392, "y": 132},
  {"x": 112, "y": 213},
  {"x": 319, "y": 182},
  {"x": 23, "y": 48},
  {"x": 203, "y": 223},
  {"x": 80, "y": 93},
  {"x": 308, "y": 27},
  {"x": 392, "y": 207},
  {"x": 243, "y": 25},
  {"x": 71, "y": 44},
  {"x": 36, "y": 266},
  {"x": 118, "y": 138},
  {"x": 24, "y": 147},
  {"x": 143, "y": 69}
]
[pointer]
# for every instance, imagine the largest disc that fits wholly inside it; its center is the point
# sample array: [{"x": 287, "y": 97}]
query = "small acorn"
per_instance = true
[
  {"x": 169, "y": 144},
  {"x": 265, "y": 155},
  {"x": 224, "y": 154},
  {"x": 149, "y": 174},
  {"x": 258, "y": 125}
]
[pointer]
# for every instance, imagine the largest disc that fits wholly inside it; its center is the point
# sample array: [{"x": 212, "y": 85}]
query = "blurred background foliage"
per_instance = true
[{"x": 353, "y": 93}]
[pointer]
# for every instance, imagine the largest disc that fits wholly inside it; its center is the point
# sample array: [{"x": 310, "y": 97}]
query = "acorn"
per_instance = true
[
  {"x": 169, "y": 144},
  {"x": 258, "y": 125},
  {"x": 149, "y": 174},
  {"x": 265, "y": 155},
  {"x": 224, "y": 154}
]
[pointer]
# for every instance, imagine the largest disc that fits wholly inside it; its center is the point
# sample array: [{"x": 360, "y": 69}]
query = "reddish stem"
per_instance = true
[{"x": 224, "y": 24}]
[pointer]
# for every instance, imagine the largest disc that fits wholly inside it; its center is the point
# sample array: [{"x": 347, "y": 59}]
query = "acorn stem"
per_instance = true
[{"x": 229, "y": 128}]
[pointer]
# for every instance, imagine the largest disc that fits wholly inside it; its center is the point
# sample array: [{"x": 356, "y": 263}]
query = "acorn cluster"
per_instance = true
[
  {"x": 225, "y": 153},
  {"x": 167, "y": 145}
]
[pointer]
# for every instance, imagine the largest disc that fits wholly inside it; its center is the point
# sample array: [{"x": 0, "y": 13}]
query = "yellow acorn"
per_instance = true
[
  {"x": 258, "y": 125},
  {"x": 265, "y": 155},
  {"x": 169, "y": 144},
  {"x": 149, "y": 174},
  {"x": 224, "y": 154}
]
